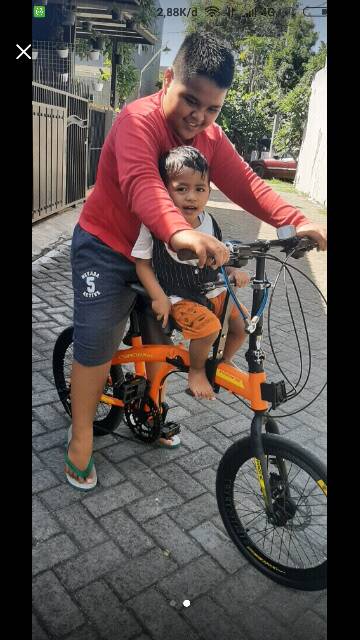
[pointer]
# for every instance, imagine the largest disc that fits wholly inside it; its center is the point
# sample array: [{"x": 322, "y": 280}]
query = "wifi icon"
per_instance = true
[{"x": 212, "y": 11}]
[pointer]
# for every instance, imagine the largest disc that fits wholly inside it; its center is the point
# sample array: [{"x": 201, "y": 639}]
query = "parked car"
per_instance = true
[{"x": 283, "y": 167}]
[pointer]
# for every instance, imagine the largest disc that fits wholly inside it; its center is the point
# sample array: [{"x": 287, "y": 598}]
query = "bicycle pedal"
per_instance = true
[{"x": 170, "y": 429}]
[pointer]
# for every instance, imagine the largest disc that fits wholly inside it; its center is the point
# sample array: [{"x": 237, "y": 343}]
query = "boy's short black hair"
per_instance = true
[
  {"x": 172, "y": 162},
  {"x": 204, "y": 55}
]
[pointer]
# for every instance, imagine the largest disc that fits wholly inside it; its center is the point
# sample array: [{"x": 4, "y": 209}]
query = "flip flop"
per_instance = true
[
  {"x": 81, "y": 486},
  {"x": 175, "y": 443}
]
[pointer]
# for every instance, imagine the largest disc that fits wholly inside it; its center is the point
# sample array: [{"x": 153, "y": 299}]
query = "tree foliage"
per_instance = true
[
  {"x": 275, "y": 65},
  {"x": 294, "y": 107}
]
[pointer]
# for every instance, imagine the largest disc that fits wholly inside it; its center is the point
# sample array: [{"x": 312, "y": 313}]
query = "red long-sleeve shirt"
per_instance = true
[{"x": 129, "y": 189}]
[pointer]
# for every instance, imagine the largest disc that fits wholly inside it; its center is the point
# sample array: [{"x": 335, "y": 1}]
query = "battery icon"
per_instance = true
[{"x": 315, "y": 12}]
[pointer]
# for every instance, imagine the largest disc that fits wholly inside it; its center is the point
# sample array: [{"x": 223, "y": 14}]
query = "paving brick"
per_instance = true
[
  {"x": 108, "y": 474},
  {"x": 212, "y": 622},
  {"x": 205, "y": 457},
  {"x": 182, "y": 482},
  {"x": 195, "y": 511},
  {"x": 241, "y": 590},
  {"x": 219, "y": 407},
  {"x": 191, "y": 581},
  {"x": 126, "y": 533},
  {"x": 37, "y": 632},
  {"x": 143, "y": 477},
  {"x": 159, "y": 617},
  {"x": 207, "y": 477},
  {"x": 188, "y": 401},
  {"x": 51, "y": 418},
  {"x": 177, "y": 414},
  {"x": 110, "y": 499},
  {"x": 310, "y": 625},
  {"x": 87, "y": 632},
  {"x": 37, "y": 464},
  {"x": 216, "y": 439},
  {"x": 81, "y": 526},
  {"x": 119, "y": 452},
  {"x": 50, "y": 552},
  {"x": 90, "y": 566},
  {"x": 141, "y": 573},
  {"x": 49, "y": 440},
  {"x": 61, "y": 496},
  {"x": 191, "y": 441},
  {"x": 320, "y": 605},
  {"x": 54, "y": 459},
  {"x": 153, "y": 505},
  {"x": 44, "y": 397},
  {"x": 43, "y": 524},
  {"x": 55, "y": 607},
  {"x": 219, "y": 546},
  {"x": 40, "y": 383},
  {"x": 233, "y": 426},
  {"x": 37, "y": 428},
  {"x": 287, "y": 605},
  {"x": 42, "y": 480},
  {"x": 158, "y": 456},
  {"x": 106, "y": 612},
  {"x": 202, "y": 420},
  {"x": 172, "y": 538}
]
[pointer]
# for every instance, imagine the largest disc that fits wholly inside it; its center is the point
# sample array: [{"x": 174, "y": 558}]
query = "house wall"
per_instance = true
[{"x": 311, "y": 175}]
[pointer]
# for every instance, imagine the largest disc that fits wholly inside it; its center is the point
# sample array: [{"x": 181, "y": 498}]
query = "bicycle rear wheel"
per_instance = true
[
  {"x": 107, "y": 416},
  {"x": 292, "y": 552}
]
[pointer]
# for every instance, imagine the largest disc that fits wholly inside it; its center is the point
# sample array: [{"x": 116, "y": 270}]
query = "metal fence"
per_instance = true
[{"x": 68, "y": 134}]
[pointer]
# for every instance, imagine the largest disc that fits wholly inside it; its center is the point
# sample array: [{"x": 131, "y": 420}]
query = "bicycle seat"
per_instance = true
[
  {"x": 143, "y": 306},
  {"x": 139, "y": 289}
]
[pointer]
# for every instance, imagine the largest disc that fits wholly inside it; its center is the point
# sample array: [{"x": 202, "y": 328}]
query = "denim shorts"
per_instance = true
[{"x": 103, "y": 300}]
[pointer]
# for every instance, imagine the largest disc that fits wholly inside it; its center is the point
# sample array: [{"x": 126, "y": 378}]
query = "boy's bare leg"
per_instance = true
[
  {"x": 87, "y": 384},
  {"x": 235, "y": 338},
  {"x": 198, "y": 382}
]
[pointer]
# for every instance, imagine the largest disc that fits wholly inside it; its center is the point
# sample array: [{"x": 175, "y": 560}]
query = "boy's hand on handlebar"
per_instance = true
[
  {"x": 208, "y": 249},
  {"x": 240, "y": 278},
  {"x": 161, "y": 307},
  {"x": 315, "y": 232}
]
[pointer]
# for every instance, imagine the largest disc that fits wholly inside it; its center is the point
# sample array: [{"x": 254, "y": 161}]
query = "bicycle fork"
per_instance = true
[{"x": 261, "y": 465}]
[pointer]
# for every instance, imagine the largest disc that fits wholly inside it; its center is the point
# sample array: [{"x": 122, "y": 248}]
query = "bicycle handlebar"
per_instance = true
[{"x": 241, "y": 252}]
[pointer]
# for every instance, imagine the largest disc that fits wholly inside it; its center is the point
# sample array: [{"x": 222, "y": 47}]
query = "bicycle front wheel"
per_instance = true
[{"x": 291, "y": 551}]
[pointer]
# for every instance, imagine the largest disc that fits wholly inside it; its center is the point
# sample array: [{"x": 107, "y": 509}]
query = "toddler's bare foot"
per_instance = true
[{"x": 199, "y": 384}]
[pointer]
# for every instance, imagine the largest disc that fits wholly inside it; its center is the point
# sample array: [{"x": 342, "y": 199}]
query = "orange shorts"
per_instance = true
[{"x": 197, "y": 321}]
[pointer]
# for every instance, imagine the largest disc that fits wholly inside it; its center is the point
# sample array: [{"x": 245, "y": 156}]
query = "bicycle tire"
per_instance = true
[
  {"x": 243, "y": 532},
  {"x": 110, "y": 415}
]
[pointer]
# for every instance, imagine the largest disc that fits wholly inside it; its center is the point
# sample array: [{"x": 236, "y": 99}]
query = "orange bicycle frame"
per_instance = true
[{"x": 228, "y": 377}]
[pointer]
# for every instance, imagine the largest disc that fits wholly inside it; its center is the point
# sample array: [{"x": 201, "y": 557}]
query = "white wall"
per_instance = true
[{"x": 311, "y": 175}]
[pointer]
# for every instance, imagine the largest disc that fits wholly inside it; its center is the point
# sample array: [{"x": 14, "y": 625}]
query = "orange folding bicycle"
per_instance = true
[{"x": 271, "y": 492}]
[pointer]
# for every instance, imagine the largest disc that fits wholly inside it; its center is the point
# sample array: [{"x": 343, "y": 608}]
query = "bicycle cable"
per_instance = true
[{"x": 296, "y": 392}]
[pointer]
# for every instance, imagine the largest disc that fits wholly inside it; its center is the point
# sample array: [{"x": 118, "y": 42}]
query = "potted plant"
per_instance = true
[
  {"x": 100, "y": 43},
  {"x": 62, "y": 50},
  {"x": 103, "y": 77},
  {"x": 94, "y": 53}
]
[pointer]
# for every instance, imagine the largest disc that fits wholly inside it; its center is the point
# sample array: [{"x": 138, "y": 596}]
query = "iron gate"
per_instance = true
[
  {"x": 60, "y": 131},
  {"x": 49, "y": 139}
]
